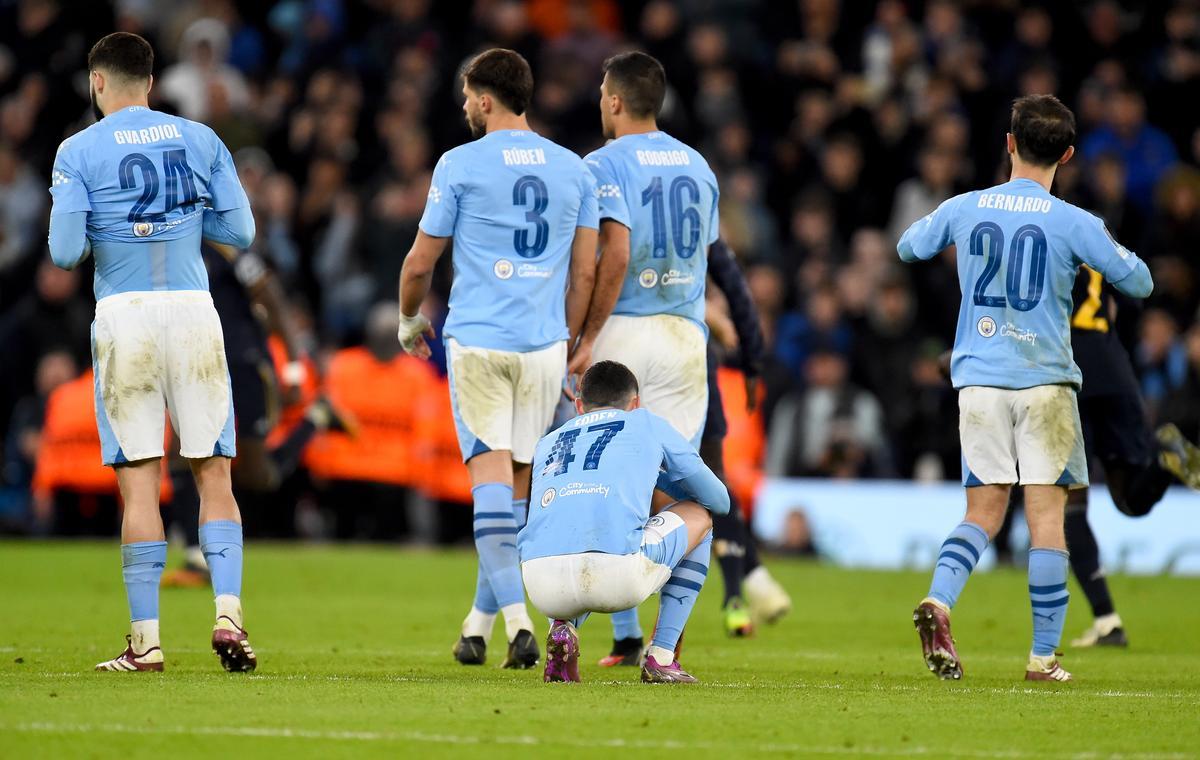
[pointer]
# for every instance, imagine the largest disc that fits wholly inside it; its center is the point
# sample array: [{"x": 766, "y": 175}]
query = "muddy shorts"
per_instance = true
[
  {"x": 156, "y": 351},
  {"x": 1030, "y": 436},
  {"x": 565, "y": 586},
  {"x": 669, "y": 357},
  {"x": 504, "y": 400}
]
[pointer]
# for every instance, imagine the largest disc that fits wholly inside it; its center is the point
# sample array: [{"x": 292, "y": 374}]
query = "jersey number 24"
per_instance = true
[{"x": 179, "y": 176}]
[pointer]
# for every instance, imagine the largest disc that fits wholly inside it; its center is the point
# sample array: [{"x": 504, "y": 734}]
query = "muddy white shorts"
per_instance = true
[
  {"x": 668, "y": 356},
  {"x": 566, "y": 586},
  {"x": 159, "y": 349},
  {"x": 504, "y": 400},
  {"x": 1031, "y": 436}
]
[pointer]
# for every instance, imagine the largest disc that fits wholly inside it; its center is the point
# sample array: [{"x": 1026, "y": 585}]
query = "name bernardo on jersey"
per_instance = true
[
  {"x": 1021, "y": 203},
  {"x": 148, "y": 135}
]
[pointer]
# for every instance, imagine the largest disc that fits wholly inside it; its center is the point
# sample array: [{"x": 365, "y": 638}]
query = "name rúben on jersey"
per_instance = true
[
  {"x": 524, "y": 157},
  {"x": 1007, "y": 202},
  {"x": 148, "y": 135}
]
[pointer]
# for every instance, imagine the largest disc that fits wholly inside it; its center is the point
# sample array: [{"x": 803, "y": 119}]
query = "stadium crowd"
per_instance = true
[{"x": 831, "y": 125}]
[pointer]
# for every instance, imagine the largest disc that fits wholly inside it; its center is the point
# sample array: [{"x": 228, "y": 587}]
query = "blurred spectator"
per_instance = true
[
  {"x": 1145, "y": 150},
  {"x": 797, "y": 538},
  {"x": 202, "y": 73}
]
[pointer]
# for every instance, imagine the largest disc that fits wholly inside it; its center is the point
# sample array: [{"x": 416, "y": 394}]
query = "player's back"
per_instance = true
[
  {"x": 148, "y": 177},
  {"x": 511, "y": 200},
  {"x": 593, "y": 479},
  {"x": 1019, "y": 248},
  {"x": 1102, "y": 359},
  {"x": 667, "y": 195}
]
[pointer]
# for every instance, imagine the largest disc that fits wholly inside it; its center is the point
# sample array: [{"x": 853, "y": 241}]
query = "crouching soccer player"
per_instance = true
[
  {"x": 1018, "y": 251},
  {"x": 591, "y": 545},
  {"x": 138, "y": 190}
]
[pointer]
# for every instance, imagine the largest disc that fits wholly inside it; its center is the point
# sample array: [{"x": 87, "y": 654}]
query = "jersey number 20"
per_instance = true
[
  {"x": 178, "y": 173},
  {"x": 987, "y": 238}
]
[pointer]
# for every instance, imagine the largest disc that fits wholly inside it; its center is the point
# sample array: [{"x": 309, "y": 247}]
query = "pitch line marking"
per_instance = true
[{"x": 284, "y": 732}]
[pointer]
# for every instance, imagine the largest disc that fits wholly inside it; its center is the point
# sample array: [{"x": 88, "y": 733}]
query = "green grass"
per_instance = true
[{"x": 355, "y": 650}]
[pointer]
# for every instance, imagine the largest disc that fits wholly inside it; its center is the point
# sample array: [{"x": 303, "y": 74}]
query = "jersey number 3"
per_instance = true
[
  {"x": 987, "y": 239},
  {"x": 179, "y": 176},
  {"x": 562, "y": 454},
  {"x": 530, "y": 193}
]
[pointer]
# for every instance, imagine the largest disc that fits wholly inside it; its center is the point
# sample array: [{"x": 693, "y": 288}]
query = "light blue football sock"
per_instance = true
[
  {"x": 521, "y": 512},
  {"x": 1048, "y": 597},
  {"x": 678, "y": 595},
  {"x": 959, "y": 556},
  {"x": 626, "y": 624},
  {"x": 221, "y": 542},
  {"x": 485, "y": 600},
  {"x": 142, "y": 566},
  {"x": 496, "y": 542}
]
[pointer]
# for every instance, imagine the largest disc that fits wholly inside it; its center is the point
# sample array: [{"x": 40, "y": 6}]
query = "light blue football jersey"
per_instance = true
[
  {"x": 1018, "y": 249},
  {"x": 145, "y": 178},
  {"x": 666, "y": 194},
  {"x": 593, "y": 479},
  {"x": 511, "y": 200}
]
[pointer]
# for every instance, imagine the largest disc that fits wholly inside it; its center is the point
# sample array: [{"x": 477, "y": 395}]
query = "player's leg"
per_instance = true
[
  {"x": 1050, "y": 451},
  {"x": 143, "y": 557},
  {"x": 989, "y": 467},
  {"x": 1106, "y": 628},
  {"x": 185, "y": 516},
  {"x": 1178, "y": 456},
  {"x": 1048, "y": 562},
  {"x": 729, "y": 532},
  {"x": 684, "y": 528}
]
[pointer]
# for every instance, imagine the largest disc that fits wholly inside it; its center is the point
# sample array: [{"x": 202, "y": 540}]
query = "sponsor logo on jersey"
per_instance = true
[
  {"x": 548, "y": 497},
  {"x": 1019, "y": 334},
  {"x": 675, "y": 277},
  {"x": 503, "y": 269},
  {"x": 648, "y": 278},
  {"x": 534, "y": 270},
  {"x": 986, "y": 327},
  {"x": 142, "y": 229},
  {"x": 582, "y": 489}
]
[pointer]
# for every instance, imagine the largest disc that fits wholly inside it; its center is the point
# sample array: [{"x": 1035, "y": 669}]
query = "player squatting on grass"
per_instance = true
[
  {"x": 1019, "y": 249},
  {"x": 138, "y": 190}
]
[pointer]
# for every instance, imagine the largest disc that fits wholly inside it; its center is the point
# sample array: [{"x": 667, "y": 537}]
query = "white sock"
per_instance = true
[
  {"x": 143, "y": 635},
  {"x": 516, "y": 619},
  {"x": 660, "y": 655},
  {"x": 230, "y": 606},
  {"x": 478, "y": 623},
  {"x": 1106, "y": 623}
]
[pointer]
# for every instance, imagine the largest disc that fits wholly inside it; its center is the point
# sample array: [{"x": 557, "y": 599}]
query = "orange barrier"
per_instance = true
[
  {"x": 441, "y": 472},
  {"x": 745, "y": 444}
]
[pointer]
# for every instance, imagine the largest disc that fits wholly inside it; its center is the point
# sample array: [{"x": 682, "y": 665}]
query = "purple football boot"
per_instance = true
[
  {"x": 937, "y": 645},
  {"x": 562, "y": 654},
  {"x": 232, "y": 645},
  {"x": 652, "y": 672}
]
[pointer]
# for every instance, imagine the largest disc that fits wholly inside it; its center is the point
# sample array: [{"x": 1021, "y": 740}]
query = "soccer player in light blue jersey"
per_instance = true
[
  {"x": 522, "y": 213},
  {"x": 1019, "y": 249},
  {"x": 658, "y": 216},
  {"x": 591, "y": 544},
  {"x": 137, "y": 191}
]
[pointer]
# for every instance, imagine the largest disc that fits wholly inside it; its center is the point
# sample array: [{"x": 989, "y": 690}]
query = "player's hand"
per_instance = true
[
  {"x": 944, "y": 360},
  {"x": 577, "y": 363},
  {"x": 412, "y": 334},
  {"x": 751, "y": 393}
]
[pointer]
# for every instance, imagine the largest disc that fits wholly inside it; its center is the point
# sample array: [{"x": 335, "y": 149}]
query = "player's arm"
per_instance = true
[
  {"x": 228, "y": 218},
  {"x": 583, "y": 280},
  {"x": 930, "y": 235},
  {"x": 684, "y": 474},
  {"x": 1119, "y": 265},
  {"x": 415, "y": 279},
  {"x": 263, "y": 288},
  {"x": 433, "y": 233},
  {"x": 68, "y": 241},
  {"x": 727, "y": 276}
]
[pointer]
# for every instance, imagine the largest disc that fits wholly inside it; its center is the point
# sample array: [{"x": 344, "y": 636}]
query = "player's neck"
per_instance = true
[
  {"x": 500, "y": 122},
  {"x": 622, "y": 129},
  {"x": 121, "y": 102},
  {"x": 1043, "y": 175}
]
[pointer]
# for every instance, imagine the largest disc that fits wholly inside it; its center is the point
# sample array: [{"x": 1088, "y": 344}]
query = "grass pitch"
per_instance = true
[{"x": 354, "y": 644}]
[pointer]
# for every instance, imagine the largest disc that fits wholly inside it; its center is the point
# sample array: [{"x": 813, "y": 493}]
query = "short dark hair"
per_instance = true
[
  {"x": 640, "y": 81},
  {"x": 607, "y": 383},
  {"x": 503, "y": 74},
  {"x": 1043, "y": 127},
  {"x": 123, "y": 54}
]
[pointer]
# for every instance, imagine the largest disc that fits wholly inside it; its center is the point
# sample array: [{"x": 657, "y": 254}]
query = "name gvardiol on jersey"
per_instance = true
[{"x": 147, "y": 136}]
